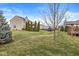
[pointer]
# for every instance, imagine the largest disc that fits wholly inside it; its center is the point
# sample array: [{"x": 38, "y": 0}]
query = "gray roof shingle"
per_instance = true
[{"x": 72, "y": 22}]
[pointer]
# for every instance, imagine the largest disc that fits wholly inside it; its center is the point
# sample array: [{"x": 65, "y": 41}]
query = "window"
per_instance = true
[{"x": 14, "y": 26}]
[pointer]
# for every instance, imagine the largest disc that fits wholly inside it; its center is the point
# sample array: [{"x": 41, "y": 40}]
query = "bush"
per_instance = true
[
  {"x": 23, "y": 29},
  {"x": 66, "y": 28},
  {"x": 62, "y": 28},
  {"x": 49, "y": 29},
  {"x": 76, "y": 28}
]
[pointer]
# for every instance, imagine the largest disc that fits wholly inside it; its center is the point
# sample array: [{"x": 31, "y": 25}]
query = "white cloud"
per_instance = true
[
  {"x": 10, "y": 12},
  {"x": 72, "y": 16}
]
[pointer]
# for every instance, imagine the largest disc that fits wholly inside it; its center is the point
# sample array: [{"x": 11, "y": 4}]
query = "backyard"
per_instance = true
[{"x": 40, "y": 44}]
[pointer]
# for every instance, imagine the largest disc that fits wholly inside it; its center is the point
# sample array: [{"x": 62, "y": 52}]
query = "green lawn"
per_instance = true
[{"x": 41, "y": 44}]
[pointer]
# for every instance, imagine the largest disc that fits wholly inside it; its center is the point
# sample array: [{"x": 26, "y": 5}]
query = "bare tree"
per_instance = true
[{"x": 54, "y": 15}]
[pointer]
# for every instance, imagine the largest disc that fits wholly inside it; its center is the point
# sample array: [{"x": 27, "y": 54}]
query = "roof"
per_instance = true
[
  {"x": 72, "y": 22},
  {"x": 22, "y": 18},
  {"x": 16, "y": 17}
]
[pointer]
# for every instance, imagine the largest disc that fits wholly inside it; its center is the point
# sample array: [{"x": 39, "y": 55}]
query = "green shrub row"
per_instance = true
[{"x": 30, "y": 26}]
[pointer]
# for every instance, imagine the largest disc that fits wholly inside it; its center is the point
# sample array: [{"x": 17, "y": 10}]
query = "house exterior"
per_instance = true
[
  {"x": 74, "y": 23},
  {"x": 43, "y": 27},
  {"x": 73, "y": 27},
  {"x": 17, "y": 23}
]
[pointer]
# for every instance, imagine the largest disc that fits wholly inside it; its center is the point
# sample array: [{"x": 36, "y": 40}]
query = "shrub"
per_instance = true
[
  {"x": 76, "y": 28},
  {"x": 49, "y": 29},
  {"x": 32, "y": 27},
  {"x": 62, "y": 28},
  {"x": 66, "y": 28}
]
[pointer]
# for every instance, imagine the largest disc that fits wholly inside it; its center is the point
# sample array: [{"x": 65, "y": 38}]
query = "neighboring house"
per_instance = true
[
  {"x": 73, "y": 27},
  {"x": 74, "y": 23},
  {"x": 46, "y": 27},
  {"x": 43, "y": 27},
  {"x": 17, "y": 23}
]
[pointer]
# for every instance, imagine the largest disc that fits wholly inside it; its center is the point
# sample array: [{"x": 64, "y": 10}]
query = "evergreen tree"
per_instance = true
[
  {"x": 35, "y": 26},
  {"x": 5, "y": 33},
  {"x": 31, "y": 26},
  {"x": 38, "y": 27},
  {"x": 26, "y": 26}
]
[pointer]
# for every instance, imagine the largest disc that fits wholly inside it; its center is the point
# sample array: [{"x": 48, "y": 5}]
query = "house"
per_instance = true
[
  {"x": 73, "y": 27},
  {"x": 17, "y": 23},
  {"x": 43, "y": 27},
  {"x": 74, "y": 23},
  {"x": 46, "y": 27}
]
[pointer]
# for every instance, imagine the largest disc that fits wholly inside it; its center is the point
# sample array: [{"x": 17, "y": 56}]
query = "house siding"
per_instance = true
[{"x": 17, "y": 24}]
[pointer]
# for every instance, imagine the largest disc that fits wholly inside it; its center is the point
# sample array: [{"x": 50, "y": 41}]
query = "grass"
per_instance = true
[{"x": 40, "y": 44}]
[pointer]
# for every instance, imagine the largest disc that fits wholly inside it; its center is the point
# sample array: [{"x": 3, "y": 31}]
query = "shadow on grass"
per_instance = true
[{"x": 7, "y": 42}]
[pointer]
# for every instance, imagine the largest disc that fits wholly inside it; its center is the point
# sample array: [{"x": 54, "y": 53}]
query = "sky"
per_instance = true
[{"x": 32, "y": 10}]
